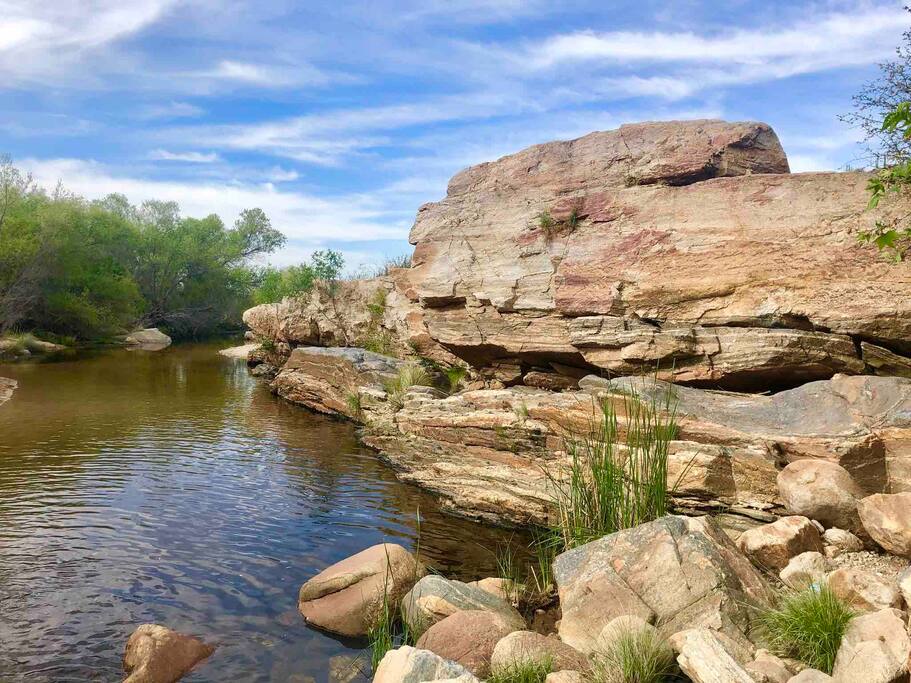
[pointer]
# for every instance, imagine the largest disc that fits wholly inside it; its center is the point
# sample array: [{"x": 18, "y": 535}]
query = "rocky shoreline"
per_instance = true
[{"x": 675, "y": 264}]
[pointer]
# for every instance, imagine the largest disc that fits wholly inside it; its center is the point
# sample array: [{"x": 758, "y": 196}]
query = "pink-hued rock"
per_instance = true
[
  {"x": 773, "y": 545},
  {"x": 346, "y": 598},
  {"x": 681, "y": 243},
  {"x": 467, "y": 638},
  {"x": 864, "y": 591},
  {"x": 156, "y": 654},
  {"x": 821, "y": 490},
  {"x": 887, "y": 518}
]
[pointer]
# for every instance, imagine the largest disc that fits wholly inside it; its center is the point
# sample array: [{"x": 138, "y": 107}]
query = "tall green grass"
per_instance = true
[
  {"x": 523, "y": 671},
  {"x": 409, "y": 376},
  {"x": 637, "y": 656},
  {"x": 807, "y": 625},
  {"x": 617, "y": 476}
]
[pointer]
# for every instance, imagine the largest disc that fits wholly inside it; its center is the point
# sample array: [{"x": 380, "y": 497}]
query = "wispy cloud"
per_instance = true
[
  {"x": 188, "y": 157},
  {"x": 172, "y": 110},
  {"x": 299, "y": 215}
]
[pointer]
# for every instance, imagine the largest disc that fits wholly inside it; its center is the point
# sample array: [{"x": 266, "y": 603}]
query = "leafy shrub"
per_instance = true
[
  {"x": 639, "y": 656},
  {"x": 808, "y": 625}
]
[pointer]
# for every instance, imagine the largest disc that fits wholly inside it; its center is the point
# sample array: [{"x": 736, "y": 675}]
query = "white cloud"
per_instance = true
[
  {"x": 43, "y": 39},
  {"x": 347, "y": 218},
  {"x": 263, "y": 75},
  {"x": 172, "y": 110},
  {"x": 188, "y": 157},
  {"x": 869, "y": 33}
]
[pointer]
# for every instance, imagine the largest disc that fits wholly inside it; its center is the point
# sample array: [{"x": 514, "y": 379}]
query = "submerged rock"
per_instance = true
[
  {"x": 156, "y": 654},
  {"x": 681, "y": 572},
  {"x": 347, "y": 597},
  {"x": 7, "y": 387},
  {"x": 149, "y": 339}
]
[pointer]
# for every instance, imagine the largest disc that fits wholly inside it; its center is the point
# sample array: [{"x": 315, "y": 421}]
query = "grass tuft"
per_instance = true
[
  {"x": 454, "y": 376},
  {"x": 808, "y": 625},
  {"x": 353, "y": 402},
  {"x": 639, "y": 656},
  {"x": 409, "y": 376},
  {"x": 617, "y": 477},
  {"x": 523, "y": 671}
]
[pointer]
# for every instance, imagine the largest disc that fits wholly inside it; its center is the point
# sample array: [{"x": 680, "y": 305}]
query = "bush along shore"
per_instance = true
[{"x": 715, "y": 469}]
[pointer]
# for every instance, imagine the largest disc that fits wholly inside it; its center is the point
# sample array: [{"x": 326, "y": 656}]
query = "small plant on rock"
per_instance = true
[
  {"x": 638, "y": 656},
  {"x": 808, "y": 625},
  {"x": 353, "y": 402},
  {"x": 408, "y": 376},
  {"x": 529, "y": 670},
  {"x": 454, "y": 376}
]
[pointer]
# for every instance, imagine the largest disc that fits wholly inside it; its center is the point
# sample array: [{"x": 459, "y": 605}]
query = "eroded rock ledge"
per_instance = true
[{"x": 485, "y": 453}]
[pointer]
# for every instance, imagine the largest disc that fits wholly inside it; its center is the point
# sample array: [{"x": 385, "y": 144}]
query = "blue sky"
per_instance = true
[{"x": 339, "y": 119}]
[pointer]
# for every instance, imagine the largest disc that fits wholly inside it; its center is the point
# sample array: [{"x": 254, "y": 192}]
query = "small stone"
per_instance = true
[
  {"x": 863, "y": 590},
  {"x": 838, "y": 541},
  {"x": 773, "y": 545},
  {"x": 811, "y": 676},
  {"x": 565, "y": 677},
  {"x": 804, "y": 570},
  {"x": 156, "y": 654},
  {"x": 621, "y": 626},
  {"x": 767, "y": 668},
  {"x": 434, "y": 598}
]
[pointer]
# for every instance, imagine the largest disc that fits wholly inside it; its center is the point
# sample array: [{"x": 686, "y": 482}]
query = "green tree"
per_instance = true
[{"x": 298, "y": 281}]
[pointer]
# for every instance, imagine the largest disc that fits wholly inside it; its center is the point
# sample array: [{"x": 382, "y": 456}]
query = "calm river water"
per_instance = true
[{"x": 172, "y": 487}]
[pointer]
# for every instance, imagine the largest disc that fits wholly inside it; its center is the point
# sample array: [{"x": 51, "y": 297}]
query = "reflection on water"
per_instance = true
[{"x": 172, "y": 487}]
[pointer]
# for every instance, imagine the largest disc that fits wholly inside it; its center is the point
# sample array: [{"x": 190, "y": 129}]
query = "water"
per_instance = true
[{"x": 172, "y": 487}]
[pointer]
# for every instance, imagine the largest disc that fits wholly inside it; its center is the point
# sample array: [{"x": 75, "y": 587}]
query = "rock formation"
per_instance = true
[{"x": 685, "y": 243}]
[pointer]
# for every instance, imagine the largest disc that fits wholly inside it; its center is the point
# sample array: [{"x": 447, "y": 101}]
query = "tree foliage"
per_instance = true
[
  {"x": 880, "y": 97},
  {"x": 297, "y": 281},
  {"x": 893, "y": 237},
  {"x": 94, "y": 269}
]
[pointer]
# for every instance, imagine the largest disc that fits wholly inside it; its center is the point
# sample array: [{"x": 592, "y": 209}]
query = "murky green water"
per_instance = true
[{"x": 172, "y": 487}]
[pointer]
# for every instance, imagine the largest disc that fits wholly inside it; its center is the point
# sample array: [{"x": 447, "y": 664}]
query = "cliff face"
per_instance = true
[
  {"x": 687, "y": 247},
  {"x": 683, "y": 244}
]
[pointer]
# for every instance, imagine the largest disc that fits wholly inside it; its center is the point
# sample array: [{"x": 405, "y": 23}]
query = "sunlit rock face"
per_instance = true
[{"x": 687, "y": 245}]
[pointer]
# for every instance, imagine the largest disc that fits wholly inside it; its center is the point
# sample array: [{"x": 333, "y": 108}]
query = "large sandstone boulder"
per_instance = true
[
  {"x": 468, "y": 638},
  {"x": 149, "y": 339},
  {"x": 156, "y": 654},
  {"x": 772, "y": 546},
  {"x": 677, "y": 571},
  {"x": 863, "y": 590},
  {"x": 875, "y": 649},
  {"x": 887, "y": 518},
  {"x": 522, "y": 647},
  {"x": 821, "y": 490},
  {"x": 347, "y": 597},
  {"x": 324, "y": 379},
  {"x": 411, "y": 665},
  {"x": 641, "y": 246},
  {"x": 434, "y": 598}
]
